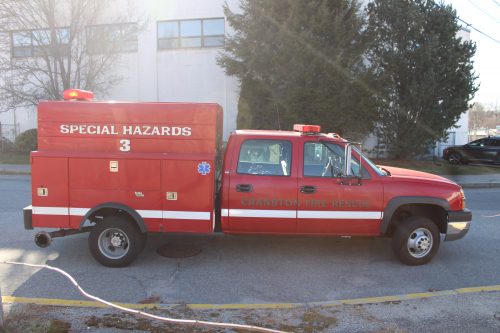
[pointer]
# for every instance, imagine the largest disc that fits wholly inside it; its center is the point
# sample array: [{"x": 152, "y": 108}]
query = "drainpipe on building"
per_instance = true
[{"x": 2, "y": 323}]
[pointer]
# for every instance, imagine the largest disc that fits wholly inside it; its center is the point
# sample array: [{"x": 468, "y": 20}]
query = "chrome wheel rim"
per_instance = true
[
  {"x": 113, "y": 243},
  {"x": 420, "y": 243},
  {"x": 454, "y": 159}
]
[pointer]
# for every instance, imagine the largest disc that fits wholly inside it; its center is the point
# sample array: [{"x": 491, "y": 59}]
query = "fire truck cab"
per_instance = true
[{"x": 122, "y": 169}]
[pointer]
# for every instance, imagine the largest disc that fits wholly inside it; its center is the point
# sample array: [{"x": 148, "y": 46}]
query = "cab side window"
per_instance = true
[
  {"x": 326, "y": 160},
  {"x": 265, "y": 157},
  {"x": 479, "y": 143}
]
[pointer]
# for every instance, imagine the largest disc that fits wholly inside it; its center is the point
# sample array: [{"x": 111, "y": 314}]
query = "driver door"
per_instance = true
[{"x": 476, "y": 149}]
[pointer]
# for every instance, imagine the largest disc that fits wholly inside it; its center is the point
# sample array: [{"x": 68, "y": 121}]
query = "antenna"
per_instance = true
[{"x": 279, "y": 126}]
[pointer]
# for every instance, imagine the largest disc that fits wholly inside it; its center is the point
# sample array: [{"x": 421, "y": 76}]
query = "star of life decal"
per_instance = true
[{"x": 203, "y": 168}]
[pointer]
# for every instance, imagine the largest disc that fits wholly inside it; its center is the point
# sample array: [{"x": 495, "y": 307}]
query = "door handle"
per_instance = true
[
  {"x": 308, "y": 189},
  {"x": 243, "y": 188}
]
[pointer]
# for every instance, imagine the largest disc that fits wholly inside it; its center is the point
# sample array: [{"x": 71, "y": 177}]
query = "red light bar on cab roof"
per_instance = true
[
  {"x": 306, "y": 128},
  {"x": 78, "y": 94}
]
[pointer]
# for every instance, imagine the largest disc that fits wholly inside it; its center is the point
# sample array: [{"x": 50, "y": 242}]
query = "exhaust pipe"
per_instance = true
[{"x": 43, "y": 239}]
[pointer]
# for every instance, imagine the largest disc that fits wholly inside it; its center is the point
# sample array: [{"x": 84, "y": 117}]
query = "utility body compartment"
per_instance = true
[{"x": 159, "y": 159}]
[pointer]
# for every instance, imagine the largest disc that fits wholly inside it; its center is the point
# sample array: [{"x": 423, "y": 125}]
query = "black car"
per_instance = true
[{"x": 483, "y": 150}]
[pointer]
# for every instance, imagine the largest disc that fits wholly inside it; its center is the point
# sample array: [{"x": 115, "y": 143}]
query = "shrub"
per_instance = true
[{"x": 27, "y": 140}]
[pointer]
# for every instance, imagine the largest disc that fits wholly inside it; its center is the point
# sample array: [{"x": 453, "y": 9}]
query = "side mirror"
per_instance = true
[
  {"x": 348, "y": 158},
  {"x": 347, "y": 166}
]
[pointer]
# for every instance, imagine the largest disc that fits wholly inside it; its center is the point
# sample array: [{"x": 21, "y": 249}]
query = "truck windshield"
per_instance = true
[{"x": 379, "y": 171}]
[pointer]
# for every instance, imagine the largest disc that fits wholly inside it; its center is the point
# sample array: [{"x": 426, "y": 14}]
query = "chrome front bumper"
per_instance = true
[{"x": 458, "y": 224}]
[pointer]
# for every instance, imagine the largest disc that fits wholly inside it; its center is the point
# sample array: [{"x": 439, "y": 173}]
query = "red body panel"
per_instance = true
[
  {"x": 132, "y": 174},
  {"x": 119, "y": 121},
  {"x": 91, "y": 153},
  {"x": 50, "y": 173},
  {"x": 195, "y": 195}
]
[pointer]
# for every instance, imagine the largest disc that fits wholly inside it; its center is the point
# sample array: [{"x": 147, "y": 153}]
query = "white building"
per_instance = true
[
  {"x": 175, "y": 61},
  {"x": 168, "y": 68}
]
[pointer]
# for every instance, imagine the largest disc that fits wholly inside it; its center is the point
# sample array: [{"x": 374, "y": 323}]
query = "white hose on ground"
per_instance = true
[
  {"x": 144, "y": 314},
  {"x": 485, "y": 215}
]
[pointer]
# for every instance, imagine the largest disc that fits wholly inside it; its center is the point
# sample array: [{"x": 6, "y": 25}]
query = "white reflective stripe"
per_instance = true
[
  {"x": 186, "y": 215},
  {"x": 263, "y": 213},
  {"x": 180, "y": 215},
  {"x": 50, "y": 210},
  {"x": 150, "y": 214},
  {"x": 78, "y": 211},
  {"x": 305, "y": 214},
  {"x": 147, "y": 214}
]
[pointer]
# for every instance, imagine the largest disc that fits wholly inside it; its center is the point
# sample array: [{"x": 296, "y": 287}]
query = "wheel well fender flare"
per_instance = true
[
  {"x": 119, "y": 206},
  {"x": 397, "y": 202}
]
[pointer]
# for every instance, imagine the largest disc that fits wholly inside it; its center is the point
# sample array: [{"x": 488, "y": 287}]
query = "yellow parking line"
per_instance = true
[{"x": 61, "y": 302}]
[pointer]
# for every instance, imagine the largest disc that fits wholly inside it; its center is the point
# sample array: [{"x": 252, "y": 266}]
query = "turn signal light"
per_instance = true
[
  {"x": 306, "y": 128},
  {"x": 463, "y": 199},
  {"x": 78, "y": 94}
]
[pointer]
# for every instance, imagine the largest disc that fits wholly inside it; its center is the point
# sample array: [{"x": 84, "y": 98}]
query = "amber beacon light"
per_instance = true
[
  {"x": 78, "y": 94},
  {"x": 306, "y": 128}
]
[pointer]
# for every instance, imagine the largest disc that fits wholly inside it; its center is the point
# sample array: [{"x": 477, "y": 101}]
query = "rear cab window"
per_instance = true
[{"x": 265, "y": 157}]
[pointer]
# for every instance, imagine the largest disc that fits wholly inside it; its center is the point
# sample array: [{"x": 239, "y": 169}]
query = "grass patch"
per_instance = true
[
  {"x": 15, "y": 157},
  {"x": 438, "y": 166}
]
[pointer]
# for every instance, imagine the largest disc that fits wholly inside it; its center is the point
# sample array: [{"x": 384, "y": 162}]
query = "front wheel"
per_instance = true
[
  {"x": 455, "y": 158},
  {"x": 416, "y": 240},
  {"x": 115, "y": 241}
]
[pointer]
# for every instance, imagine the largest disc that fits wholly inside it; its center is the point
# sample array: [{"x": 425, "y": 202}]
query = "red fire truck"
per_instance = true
[{"x": 122, "y": 169}]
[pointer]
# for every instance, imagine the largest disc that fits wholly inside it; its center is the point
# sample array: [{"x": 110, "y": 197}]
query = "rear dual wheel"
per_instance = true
[
  {"x": 416, "y": 240},
  {"x": 116, "y": 241}
]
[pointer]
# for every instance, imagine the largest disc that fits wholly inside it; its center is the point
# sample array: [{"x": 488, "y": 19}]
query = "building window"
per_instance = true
[
  {"x": 37, "y": 43},
  {"x": 190, "y": 34},
  {"x": 111, "y": 38}
]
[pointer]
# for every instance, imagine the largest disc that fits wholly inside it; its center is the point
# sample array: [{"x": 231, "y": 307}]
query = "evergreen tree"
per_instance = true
[
  {"x": 426, "y": 72},
  {"x": 301, "y": 61}
]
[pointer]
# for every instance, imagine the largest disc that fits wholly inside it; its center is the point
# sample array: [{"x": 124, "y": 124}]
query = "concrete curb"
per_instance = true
[
  {"x": 479, "y": 185},
  {"x": 4, "y": 172}
]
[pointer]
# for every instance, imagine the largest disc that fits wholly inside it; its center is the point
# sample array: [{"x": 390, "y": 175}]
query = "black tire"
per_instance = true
[
  {"x": 126, "y": 236},
  {"x": 416, "y": 240},
  {"x": 455, "y": 158},
  {"x": 144, "y": 236}
]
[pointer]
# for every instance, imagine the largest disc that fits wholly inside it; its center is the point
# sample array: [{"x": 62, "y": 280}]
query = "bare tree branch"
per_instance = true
[{"x": 50, "y": 46}]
